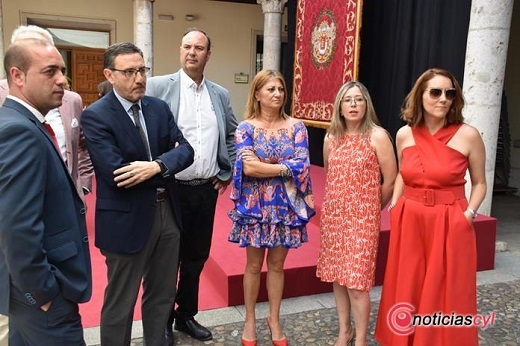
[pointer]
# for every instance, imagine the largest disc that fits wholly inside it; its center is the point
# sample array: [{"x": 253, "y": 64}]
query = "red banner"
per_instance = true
[{"x": 326, "y": 55}]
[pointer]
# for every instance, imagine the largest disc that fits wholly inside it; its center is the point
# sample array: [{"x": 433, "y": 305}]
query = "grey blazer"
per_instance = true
[{"x": 167, "y": 88}]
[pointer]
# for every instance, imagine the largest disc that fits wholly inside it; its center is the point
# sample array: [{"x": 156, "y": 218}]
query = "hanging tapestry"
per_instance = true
[{"x": 326, "y": 56}]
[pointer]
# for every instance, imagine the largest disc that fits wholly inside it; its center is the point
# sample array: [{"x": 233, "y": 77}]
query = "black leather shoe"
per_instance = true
[
  {"x": 168, "y": 339},
  {"x": 193, "y": 329}
]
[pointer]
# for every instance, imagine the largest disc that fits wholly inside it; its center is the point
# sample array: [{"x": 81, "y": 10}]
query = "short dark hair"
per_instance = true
[
  {"x": 117, "y": 49},
  {"x": 19, "y": 55},
  {"x": 202, "y": 32}
]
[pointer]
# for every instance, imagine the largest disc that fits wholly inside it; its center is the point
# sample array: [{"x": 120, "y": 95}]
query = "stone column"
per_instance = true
[
  {"x": 273, "y": 10},
  {"x": 486, "y": 54},
  {"x": 143, "y": 29}
]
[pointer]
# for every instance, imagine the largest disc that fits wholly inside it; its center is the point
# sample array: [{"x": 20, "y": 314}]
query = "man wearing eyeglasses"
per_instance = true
[
  {"x": 136, "y": 148},
  {"x": 203, "y": 112}
]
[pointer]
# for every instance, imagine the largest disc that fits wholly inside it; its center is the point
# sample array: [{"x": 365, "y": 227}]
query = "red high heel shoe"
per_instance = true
[
  {"x": 280, "y": 342},
  {"x": 248, "y": 342}
]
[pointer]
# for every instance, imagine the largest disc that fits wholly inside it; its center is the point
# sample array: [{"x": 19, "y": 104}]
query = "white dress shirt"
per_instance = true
[
  {"x": 127, "y": 105},
  {"x": 198, "y": 123}
]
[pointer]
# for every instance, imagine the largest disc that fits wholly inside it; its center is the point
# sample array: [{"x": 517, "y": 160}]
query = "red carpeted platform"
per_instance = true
[
  {"x": 227, "y": 261},
  {"x": 221, "y": 281}
]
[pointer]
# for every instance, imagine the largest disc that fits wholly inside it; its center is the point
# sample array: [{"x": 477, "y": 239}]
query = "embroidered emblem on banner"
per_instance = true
[{"x": 323, "y": 39}]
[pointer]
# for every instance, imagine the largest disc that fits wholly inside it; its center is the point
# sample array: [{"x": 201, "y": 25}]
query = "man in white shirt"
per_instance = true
[{"x": 202, "y": 110}]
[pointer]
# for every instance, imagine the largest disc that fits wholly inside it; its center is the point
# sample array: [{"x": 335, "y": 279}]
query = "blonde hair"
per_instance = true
[
  {"x": 262, "y": 78},
  {"x": 338, "y": 125}
]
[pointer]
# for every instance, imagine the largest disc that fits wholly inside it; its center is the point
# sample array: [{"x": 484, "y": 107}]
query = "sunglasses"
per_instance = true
[{"x": 450, "y": 94}]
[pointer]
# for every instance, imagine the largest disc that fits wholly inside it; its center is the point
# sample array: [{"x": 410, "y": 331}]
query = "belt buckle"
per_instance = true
[{"x": 429, "y": 197}]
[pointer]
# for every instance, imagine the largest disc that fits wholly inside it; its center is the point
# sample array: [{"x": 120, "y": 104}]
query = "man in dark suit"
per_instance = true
[
  {"x": 203, "y": 112},
  {"x": 64, "y": 120},
  {"x": 136, "y": 149},
  {"x": 44, "y": 256}
]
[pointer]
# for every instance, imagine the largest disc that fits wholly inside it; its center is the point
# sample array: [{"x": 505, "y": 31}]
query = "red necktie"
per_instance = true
[{"x": 51, "y": 133}]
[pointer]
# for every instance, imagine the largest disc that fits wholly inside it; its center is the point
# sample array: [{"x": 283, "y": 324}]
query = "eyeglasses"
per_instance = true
[
  {"x": 450, "y": 94},
  {"x": 132, "y": 72},
  {"x": 356, "y": 100}
]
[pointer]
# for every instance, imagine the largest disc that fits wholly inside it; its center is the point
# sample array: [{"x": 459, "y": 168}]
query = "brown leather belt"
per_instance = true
[
  {"x": 430, "y": 197},
  {"x": 161, "y": 195}
]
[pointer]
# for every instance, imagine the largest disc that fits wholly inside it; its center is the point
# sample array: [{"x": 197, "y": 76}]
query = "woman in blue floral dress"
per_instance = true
[{"x": 272, "y": 193}]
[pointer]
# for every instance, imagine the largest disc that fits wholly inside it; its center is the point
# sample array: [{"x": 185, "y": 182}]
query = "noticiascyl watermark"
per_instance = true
[{"x": 402, "y": 320}]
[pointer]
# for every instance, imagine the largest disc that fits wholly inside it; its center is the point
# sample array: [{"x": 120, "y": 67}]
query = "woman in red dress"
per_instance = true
[
  {"x": 432, "y": 260},
  {"x": 360, "y": 165}
]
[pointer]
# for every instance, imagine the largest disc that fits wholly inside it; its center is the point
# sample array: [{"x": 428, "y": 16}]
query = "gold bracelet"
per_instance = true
[{"x": 284, "y": 171}]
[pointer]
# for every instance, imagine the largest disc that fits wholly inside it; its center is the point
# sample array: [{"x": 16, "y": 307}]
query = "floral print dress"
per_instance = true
[
  {"x": 350, "y": 219},
  {"x": 274, "y": 211}
]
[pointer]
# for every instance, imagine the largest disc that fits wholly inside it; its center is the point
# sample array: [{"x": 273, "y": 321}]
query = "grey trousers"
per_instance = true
[{"x": 156, "y": 266}]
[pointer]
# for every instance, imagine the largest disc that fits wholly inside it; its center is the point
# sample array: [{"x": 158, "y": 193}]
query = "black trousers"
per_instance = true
[{"x": 198, "y": 212}]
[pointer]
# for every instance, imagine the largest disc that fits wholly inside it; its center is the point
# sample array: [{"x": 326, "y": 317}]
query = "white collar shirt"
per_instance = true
[
  {"x": 33, "y": 110},
  {"x": 127, "y": 105},
  {"x": 198, "y": 123}
]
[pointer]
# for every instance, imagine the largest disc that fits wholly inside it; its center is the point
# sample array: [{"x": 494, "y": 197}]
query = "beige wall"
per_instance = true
[
  {"x": 229, "y": 25},
  {"x": 512, "y": 87}
]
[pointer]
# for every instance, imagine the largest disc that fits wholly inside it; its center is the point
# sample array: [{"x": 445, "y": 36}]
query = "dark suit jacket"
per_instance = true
[
  {"x": 43, "y": 234},
  {"x": 167, "y": 88},
  {"x": 125, "y": 216},
  {"x": 78, "y": 160}
]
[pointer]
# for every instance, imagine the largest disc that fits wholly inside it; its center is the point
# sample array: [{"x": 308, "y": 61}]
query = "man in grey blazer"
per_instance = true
[{"x": 203, "y": 113}]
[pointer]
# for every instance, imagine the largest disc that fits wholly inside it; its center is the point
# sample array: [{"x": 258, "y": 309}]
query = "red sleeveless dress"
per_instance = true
[
  {"x": 351, "y": 210},
  {"x": 432, "y": 257}
]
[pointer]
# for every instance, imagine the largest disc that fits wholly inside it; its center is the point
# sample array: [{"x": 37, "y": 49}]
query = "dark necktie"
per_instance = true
[
  {"x": 51, "y": 133},
  {"x": 138, "y": 125}
]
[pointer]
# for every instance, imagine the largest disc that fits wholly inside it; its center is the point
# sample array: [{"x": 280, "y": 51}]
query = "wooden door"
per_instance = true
[{"x": 87, "y": 72}]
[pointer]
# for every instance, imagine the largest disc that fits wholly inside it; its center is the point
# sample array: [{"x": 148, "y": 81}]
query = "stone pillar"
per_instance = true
[
  {"x": 486, "y": 54},
  {"x": 143, "y": 29},
  {"x": 273, "y": 10}
]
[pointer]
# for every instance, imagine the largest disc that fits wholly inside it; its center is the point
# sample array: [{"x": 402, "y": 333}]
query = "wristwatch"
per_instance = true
[
  {"x": 472, "y": 212},
  {"x": 161, "y": 164}
]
